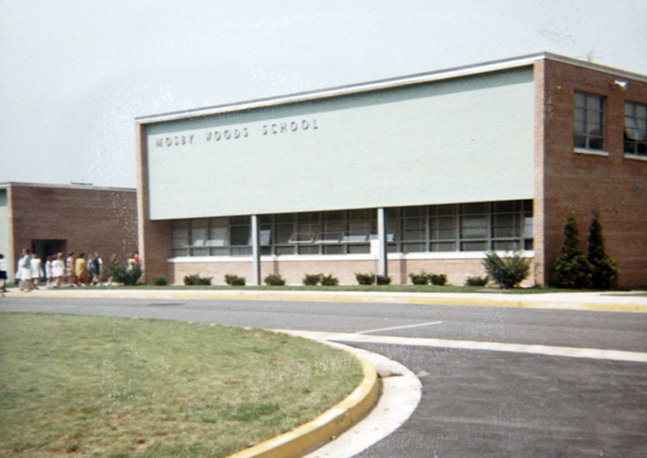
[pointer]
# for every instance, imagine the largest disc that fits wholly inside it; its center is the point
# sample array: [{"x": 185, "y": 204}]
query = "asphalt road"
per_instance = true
[{"x": 476, "y": 402}]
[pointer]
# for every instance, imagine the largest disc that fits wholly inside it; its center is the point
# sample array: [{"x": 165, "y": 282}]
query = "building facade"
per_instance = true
[
  {"x": 421, "y": 173},
  {"x": 50, "y": 219}
]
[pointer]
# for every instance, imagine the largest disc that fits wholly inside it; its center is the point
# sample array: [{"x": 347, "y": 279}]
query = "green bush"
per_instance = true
[
  {"x": 371, "y": 279},
  {"x": 477, "y": 281},
  {"x": 419, "y": 279},
  {"x": 274, "y": 280},
  {"x": 507, "y": 272},
  {"x": 159, "y": 281},
  {"x": 438, "y": 280},
  {"x": 128, "y": 275},
  {"x": 365, "y": 279},
  {"x": 572, "y": 269},
  {"x": 197, "y": 280},
  {"x": 312, "y": 279},
  {"x": 329, "y": 280},
  {"x": 234, "y": 280}
]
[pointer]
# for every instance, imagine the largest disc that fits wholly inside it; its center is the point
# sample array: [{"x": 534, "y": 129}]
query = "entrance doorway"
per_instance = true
[{"x": 46, "y": 248}]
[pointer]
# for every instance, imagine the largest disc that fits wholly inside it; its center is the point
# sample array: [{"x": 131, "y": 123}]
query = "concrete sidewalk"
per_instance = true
[{"x": 601, "y": 301}]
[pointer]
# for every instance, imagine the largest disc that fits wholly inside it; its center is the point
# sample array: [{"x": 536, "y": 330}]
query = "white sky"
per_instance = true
[{"x": 75, "y": 73}]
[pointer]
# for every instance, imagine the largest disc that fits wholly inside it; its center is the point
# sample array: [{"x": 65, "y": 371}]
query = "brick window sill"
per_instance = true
[
  {"x": 591, "y": 152},
  {"x": 635, "y": 157}
]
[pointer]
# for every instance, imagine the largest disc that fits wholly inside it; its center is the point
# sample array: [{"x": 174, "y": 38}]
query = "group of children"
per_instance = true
[{"x": 75, "y": 270}]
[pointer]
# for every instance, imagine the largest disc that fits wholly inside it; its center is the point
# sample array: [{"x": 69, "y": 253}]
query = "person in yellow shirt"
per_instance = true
[{"x": 80, "y": 270}]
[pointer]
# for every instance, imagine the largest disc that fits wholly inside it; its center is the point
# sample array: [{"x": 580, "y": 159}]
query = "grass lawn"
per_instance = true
[{"x": 112, "y": 387}]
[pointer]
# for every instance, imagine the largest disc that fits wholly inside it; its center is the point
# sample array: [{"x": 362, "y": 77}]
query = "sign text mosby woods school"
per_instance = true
[{"x": 237, "y": 132}]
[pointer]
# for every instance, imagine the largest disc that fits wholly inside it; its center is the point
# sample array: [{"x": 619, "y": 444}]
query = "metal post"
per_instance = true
[
  {"x": 256, "y": 252},
  {"x": 382, "y": 242}
]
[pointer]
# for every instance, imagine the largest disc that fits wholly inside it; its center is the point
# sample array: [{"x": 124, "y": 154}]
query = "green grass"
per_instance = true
[{"x": 112, "y": 387}]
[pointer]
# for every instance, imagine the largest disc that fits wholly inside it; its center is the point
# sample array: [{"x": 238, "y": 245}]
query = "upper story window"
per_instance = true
[
  {"x": 589, "y": 125},
  {"x": 635, "y": 129}
]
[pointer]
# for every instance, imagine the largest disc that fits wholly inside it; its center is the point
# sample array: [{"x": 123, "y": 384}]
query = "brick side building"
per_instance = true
[
  {"x": 49, "y": 219},
  {"x": 424, "y": 172}
]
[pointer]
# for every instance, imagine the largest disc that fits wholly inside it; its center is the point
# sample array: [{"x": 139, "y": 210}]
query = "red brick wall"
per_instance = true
[
  {"x": 153, "y": 236},
  {"x": 613, "y": 185},
  {"x": 456, "y": 269},
  {"x": 91, "y": 220}
]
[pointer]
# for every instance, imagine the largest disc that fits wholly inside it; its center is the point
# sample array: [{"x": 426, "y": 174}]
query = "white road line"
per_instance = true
[
  {"x": 567, "y": 352},
  {"x": 431, "y": 323}
]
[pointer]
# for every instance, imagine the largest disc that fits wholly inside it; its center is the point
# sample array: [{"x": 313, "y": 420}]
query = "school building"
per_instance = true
[
  {"x": 425, "y": 172},
  {"x": 50, "y": 219}
]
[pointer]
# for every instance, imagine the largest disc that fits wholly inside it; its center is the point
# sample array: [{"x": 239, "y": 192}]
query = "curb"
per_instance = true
[
  {"x": 564, "y": 302},
  {"x": 325, "y": 427}
]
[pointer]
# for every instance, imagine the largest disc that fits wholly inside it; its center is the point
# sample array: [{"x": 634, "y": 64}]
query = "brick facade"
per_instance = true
[
  {"x": 80, "y": 218},
  {"x": 614, "y": 185},
  {"x": 565, "y": 179},
  {"x": 294, "y": 270}
]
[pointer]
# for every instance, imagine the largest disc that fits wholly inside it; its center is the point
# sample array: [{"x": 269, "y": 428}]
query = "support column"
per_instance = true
[
  {"x": 256, "y": 252},
  {"x": 382, "y": 242}
]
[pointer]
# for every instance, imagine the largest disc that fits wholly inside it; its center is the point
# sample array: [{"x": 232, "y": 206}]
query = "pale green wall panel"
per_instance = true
[{"x": 462, "y": 140}]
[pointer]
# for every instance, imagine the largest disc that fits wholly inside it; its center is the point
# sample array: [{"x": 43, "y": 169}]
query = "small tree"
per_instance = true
[
  {"x": 572, "y": 269},
  {"x": 605, "y": 272},
  {"x": 128, "y": 275},
  {"x": 507, "y": 272}
]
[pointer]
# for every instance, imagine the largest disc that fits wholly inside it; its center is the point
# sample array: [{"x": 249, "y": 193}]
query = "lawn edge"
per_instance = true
[{"x": 325, "y": 427}]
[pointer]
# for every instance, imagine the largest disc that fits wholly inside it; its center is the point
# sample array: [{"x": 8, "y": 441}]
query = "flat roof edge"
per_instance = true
[
  {"x": 387, "y": 83},
  {"x": 87, "y": 187}
]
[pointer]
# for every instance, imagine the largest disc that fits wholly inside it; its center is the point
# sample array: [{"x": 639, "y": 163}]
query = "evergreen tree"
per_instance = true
[
  {"x": 605, "y": 272},
  {"x": 572, "y": 269}
]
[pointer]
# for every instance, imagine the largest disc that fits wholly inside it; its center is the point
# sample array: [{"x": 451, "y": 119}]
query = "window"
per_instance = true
[
  {"x": 635, "y": 129},
  {"x": 477, "y": 227},
  {"x": 589, "y": 126}
]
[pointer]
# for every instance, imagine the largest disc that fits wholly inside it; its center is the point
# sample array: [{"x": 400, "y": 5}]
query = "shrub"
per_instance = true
[
  {"x": 477, "y": 281},
  {"x": 438, "y": 280},
  {"x": 197, "y": 280},
  {"x": 365, "y": 279},
  {"x": 572, "y": 269},
  {"x": 329, "y": 280},
  {"x": 507, "y": 272},
  {"x": 371, "y": 279},
  {"x": 129, "y": 276},
  {"x": 604, "y": 270},
  {"x": 234, "y": 280},
  {"x": 159, "y": 281},
  {"x": 419, "y": 279},
  {"x": 274, "y": 280},
  {"x": 312, "y": 279}
]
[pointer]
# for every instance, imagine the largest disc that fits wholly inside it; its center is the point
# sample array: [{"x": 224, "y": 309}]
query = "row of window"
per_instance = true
[
  {"x": 589, "y": 124},
  {"x": 439, "y": 228}
]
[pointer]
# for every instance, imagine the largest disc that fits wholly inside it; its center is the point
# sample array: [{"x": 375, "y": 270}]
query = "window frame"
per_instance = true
[
  {"x": 584, "y": 141},
  {"x": 636, "y": 144}
]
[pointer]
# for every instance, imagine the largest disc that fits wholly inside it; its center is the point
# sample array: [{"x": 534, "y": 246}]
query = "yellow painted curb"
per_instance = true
[
  {"x": 499, "y": 301},
  {"x": 323, "y": 428}
]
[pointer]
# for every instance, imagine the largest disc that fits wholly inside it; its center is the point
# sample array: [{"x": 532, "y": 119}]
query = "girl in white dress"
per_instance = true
[
  {"x": 58, "y": 270},
  {"x": 48, "y": 271},
  {"x": 24, "y": 270},
  {"x": 36, "y": 270}
]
